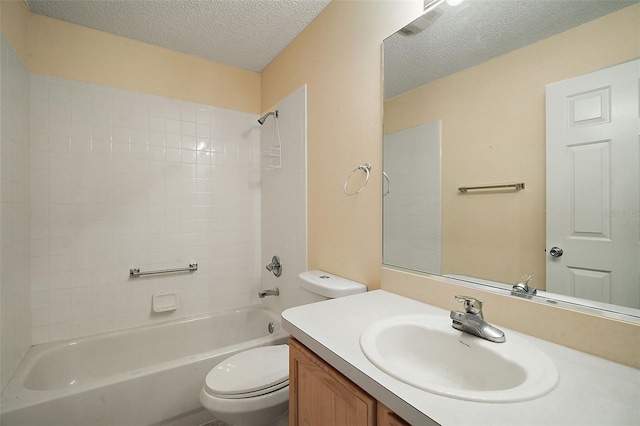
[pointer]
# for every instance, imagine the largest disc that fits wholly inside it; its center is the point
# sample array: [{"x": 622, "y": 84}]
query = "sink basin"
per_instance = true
[{"x": 427, "y": 353}]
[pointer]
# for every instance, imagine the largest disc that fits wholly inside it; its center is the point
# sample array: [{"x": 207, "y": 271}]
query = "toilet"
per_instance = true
[{"x": 251, "y": 388}]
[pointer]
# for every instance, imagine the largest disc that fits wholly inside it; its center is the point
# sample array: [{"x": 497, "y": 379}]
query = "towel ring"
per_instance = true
[{"x": 365, "y": 168}]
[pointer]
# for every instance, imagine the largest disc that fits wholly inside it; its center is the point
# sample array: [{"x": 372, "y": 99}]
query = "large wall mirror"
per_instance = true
[{"x": 532, "y": 105}]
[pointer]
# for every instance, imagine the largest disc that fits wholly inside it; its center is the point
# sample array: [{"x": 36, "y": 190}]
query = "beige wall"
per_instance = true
[
  {"x": 494, "y": 131},
  {"x": 61, "y": 49},
  {"x": 15, "y": 16},
  {"x": 338, "y": 57}
]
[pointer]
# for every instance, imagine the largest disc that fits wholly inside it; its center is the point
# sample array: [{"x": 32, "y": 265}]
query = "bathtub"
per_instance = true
[{"x": 141, "y": 376}]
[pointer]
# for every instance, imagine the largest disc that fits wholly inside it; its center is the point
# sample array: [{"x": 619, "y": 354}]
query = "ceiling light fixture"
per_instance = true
[{"x": 429, "y": 15}]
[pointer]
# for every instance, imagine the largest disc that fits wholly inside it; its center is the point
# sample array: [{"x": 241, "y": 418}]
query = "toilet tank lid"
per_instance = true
[{"x": 329, "y": 285}]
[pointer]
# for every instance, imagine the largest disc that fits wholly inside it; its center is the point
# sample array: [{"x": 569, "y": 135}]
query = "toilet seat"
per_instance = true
[{"x": 251, "y": 373}]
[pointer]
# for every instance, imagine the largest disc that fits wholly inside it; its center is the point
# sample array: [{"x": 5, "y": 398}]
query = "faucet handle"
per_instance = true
[
  {"x": 471, "y": 305},
  {"x": 523, "y": 284}
]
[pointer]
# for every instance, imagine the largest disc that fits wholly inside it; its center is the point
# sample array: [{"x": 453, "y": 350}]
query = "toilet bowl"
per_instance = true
[{"x": 251, "y": 388}]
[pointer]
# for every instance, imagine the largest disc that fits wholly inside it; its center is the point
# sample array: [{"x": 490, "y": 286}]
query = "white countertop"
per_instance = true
[{"x": 591, "y": 391}]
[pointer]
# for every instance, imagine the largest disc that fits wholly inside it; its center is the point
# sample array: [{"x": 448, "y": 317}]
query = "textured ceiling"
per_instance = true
[
  {"x": 477, "y": 30},
  {"x": 246, "y": 34}
]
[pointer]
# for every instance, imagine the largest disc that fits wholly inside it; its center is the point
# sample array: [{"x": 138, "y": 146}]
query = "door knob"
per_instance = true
[{"x": 556, "y": 251}]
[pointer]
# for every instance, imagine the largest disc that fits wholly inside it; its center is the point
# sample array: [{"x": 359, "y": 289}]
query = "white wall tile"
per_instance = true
[
  {"x": 60, "y": 331},
  {"x": 412, "y": 159},
  {"x": 121, "y": 180},
  {"x": 283, "y": 206},
  {"x": 188, "y": 128},
  {"x": 188, "y": 113},
  {"x": 172, "y": 126},
  {"x": 126, "y": 180},
  {"x": 39, "y": 335}
]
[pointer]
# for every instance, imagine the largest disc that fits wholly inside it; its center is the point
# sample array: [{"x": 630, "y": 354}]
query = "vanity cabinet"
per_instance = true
[
  {"x": 386, "y": 417},
  {"x": 320, "y": 395}
]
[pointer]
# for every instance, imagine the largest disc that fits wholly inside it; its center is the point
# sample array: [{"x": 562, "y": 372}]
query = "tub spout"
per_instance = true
[{"x": 271, "y": 292}]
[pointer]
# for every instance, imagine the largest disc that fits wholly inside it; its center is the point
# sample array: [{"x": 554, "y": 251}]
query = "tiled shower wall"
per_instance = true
[
  {"x": 412, "y": 219},
  {"x": 15, "y": 334},
  {"x": 124, "y": 180},
  {"x": 284, "y": 200}
]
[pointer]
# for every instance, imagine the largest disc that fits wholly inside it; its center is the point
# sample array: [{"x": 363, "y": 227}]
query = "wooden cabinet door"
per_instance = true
[
  {"x": 320, "y": 395},
  {"x": 387, "y": 417}
]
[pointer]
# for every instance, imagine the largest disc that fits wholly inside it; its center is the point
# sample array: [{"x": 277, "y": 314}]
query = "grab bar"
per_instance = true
[
  {"x": 386, "y": 177},
  {"x": 517, "y": 186},
  {"x": 135, "y": 273}
]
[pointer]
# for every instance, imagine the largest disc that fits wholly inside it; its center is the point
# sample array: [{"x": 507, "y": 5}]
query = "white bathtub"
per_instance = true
[{"x": 142, "y": 376}]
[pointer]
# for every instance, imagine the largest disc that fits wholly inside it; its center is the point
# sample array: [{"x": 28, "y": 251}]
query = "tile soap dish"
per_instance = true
[{"x": 164, "y": 302}]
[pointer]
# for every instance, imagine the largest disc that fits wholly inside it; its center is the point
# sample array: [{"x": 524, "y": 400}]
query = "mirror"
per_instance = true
[{"x": 465, "y": 105}]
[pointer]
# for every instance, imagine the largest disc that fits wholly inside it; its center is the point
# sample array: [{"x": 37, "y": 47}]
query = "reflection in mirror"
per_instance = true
[
  {"x": 412, "y": 204},
  {"x": 468, "y": 101}
]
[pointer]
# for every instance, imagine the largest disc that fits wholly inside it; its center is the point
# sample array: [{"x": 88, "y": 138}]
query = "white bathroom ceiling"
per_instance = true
[
  {"x": 246, "y": 34},
  {"x": 458, "y": 37}
]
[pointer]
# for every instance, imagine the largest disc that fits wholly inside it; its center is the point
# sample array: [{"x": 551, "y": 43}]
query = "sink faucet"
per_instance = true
[
  {"x": 270, "y": 292},
  {"x": 472, "y": 321},
  {"x": 522, "y": 288}
]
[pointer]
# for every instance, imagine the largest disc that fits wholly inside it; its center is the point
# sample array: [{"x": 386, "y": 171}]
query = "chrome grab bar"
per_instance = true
[
  {"x": 135, "y": 273},
  {"x": 386, "y": 177},
  {"x": 517, "y": 186}
]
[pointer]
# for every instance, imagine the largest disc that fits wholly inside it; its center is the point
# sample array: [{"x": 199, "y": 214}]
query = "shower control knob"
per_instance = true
[
  {"x": 556, "y": 251},
  {"x": 275, "y": 266}
]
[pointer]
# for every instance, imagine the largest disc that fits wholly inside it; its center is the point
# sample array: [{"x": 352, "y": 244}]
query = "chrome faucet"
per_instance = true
[
  {"x": 472, "y": 321},
  {"x": 270, "y": 292},
  {"x": 522, "y": 289}
]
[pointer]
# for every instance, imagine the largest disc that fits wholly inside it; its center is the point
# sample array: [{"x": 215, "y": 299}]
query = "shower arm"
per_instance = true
[{"x": 262, "y": 119}]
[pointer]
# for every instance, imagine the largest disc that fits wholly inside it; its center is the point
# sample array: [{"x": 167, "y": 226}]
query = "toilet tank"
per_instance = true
[{"x": 328, "y": 286}]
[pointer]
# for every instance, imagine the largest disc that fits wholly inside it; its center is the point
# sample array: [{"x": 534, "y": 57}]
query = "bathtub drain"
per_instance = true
[{"x": 270, "y": 327}]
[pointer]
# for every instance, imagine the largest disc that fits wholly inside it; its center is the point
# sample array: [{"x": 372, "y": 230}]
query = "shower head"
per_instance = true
[{"x": 262, "y": 119}]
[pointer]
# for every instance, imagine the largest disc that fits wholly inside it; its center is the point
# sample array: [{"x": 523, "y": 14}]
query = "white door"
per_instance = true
[{"x": 593, "y": 186}]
